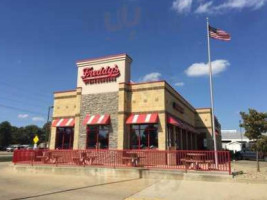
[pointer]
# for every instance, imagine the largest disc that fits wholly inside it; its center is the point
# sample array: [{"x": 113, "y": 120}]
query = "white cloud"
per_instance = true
[
  {"x": 179, "y": 84},
  {"x": 182, "y": 6},
  {"x": 202, "y": 69},
  {"x": 204, "y": 8},
  {"x": 38, "y": 119},
  {"x": 154, "y": 76},
  {"x": 23, "y": 116},
  {"x": 210, "y": 7},
  {"x": 240, "y": 4}
]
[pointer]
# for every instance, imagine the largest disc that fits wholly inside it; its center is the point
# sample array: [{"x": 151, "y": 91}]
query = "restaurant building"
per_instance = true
[{"x": 108, "y": 111}]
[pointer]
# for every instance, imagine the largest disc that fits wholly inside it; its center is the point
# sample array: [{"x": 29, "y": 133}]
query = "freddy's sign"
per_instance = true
[{"x": 105, "y": 74}]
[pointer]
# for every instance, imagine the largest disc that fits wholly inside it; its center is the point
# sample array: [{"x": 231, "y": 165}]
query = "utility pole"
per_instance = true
[{"x": 48, "y": 128}]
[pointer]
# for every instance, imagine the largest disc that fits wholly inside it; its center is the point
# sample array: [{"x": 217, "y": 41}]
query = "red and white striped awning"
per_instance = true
[
  {"x": 173, "y": 121},
  {"x": 96, "y": 119},
  {"x": 151, "y": 118},
  {"x": 63, "y": 122}
]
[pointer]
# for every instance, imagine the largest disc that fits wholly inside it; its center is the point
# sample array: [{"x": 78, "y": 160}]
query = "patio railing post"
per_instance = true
[{"x": 229, "y": 162}]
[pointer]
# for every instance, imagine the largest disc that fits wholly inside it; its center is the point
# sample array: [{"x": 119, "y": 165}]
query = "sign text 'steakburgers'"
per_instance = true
[{"x": 105, "y": 74}]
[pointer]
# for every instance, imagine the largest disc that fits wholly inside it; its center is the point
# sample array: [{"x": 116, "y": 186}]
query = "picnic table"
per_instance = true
[
  {"x": 84, "y": 158},
  {"x": 193, "y": 161},
  {"x": 132, "y": 159},
  {"x": 48, "y": 157}
]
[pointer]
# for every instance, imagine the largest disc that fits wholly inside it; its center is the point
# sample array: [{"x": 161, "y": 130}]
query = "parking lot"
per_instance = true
[{"x": 14, "y": 186}]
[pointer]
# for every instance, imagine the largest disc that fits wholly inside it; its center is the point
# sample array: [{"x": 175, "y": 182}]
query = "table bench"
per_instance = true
[
  {"x": 192, "y": 161},
  {"x": 45, "y": 157},
  {"x": 84, "y": 159},
  {"x": 48, "y": 157},
  {"x": 131, "y": 159}
]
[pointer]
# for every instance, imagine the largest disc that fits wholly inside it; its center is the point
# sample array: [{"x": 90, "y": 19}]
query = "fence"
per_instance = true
[{"x": 181, "y": 159}]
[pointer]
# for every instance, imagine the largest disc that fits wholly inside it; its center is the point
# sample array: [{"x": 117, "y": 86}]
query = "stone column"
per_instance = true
[
  {"x": 77, "y": 119},
  {"x": 162, "y": 132},
  {"x": 52, "y": 137},
  {"x": 122, "y": 116}
]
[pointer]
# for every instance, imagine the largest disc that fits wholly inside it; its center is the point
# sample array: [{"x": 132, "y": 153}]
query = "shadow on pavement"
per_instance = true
[{"x": 72, "y": 189}]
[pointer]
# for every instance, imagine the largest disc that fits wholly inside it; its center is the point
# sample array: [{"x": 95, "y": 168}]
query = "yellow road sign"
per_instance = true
[{"x": 35, "y": 139}]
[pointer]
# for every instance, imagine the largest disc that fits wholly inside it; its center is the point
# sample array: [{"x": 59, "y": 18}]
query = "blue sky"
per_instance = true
[{"x": 40, "y": 41}]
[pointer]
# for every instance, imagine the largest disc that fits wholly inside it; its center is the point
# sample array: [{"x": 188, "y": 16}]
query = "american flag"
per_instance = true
[{"x": 219, "y": 34}]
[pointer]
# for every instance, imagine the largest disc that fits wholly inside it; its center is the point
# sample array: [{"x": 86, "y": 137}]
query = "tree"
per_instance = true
[
  {"x": 261, "y": 144},
  {"x": 30, "y": 131},
  {"x": 254, "y": 123},
  {"x": 47, "y": 130},
  {"x": 5, "y": 133}
]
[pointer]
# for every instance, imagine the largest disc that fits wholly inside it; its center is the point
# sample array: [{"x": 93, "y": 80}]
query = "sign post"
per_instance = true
[{"x": 35, "y": 141}]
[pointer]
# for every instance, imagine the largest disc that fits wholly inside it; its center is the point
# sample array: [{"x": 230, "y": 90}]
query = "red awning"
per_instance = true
[
  {"x": 178, "y": 123},
  {"x": 175, "y": 122},
  {"x": 63, "y": 122},
  {"x": 150, "y": 118},
  {"x": 96, "y": 119}
]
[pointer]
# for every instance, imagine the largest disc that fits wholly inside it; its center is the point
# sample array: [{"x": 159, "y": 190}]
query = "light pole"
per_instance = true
[{"x": 48, "y": 128}]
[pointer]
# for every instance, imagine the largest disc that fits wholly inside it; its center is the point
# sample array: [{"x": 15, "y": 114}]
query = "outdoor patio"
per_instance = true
[{"x": 155, "y": 159}]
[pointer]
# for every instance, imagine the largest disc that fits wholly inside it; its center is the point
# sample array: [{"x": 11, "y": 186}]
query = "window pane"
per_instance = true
[
  {"x": 91, "y": 139},
  {"x": 134, "y": 139},
  {"x": 92, "y": 128},
  {"x": 153, "y": 139},
  {"x": 104, "y": 127},
  {"x": 144, "y": 134},
  {"x": 64, "y": 138},
  {"x": 135, "y": 126},
  {"x": 103, "y": 138},
  {"x": 143, "y": 126}
]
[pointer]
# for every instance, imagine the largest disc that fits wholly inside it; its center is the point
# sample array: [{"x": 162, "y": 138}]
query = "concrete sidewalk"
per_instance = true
[
  {"x": 196, "y": 190},
  {"x": 15, "y": 186}
]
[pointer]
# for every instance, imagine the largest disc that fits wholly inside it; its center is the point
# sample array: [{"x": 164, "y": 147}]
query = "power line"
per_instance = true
[
  {"x": 26, "y": 102},
  {"x": 21, "y": 88},
  {"x": 21, "y": 94},
  {"x": 22, "y": 110}
]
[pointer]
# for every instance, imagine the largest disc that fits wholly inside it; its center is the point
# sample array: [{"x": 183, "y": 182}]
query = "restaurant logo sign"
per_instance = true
[{"x": 105, "y": 74}]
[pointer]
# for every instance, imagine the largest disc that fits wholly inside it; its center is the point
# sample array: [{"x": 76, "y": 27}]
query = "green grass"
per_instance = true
[{"x": 6, "y": 158}]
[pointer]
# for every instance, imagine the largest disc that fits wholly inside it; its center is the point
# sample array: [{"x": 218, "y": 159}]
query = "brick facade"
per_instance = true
[{"x": 104, "y": 103}]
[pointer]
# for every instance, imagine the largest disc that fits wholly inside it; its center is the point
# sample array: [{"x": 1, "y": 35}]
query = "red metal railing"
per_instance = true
[{"x": 181, "y": 159}]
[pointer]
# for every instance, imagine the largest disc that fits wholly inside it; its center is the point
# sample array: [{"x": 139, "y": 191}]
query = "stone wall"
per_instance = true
[{"x": 104, "y": 103}]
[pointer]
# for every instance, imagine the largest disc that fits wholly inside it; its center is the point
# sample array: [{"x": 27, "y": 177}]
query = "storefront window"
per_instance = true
[
  {"x": 64, "y": 138},
  {"x": 144, "y": 136},
  {"x": 97, "y": 137}
]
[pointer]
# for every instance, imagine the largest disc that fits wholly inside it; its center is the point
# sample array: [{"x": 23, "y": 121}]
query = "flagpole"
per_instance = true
[{"x": 211, "y": 98}]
